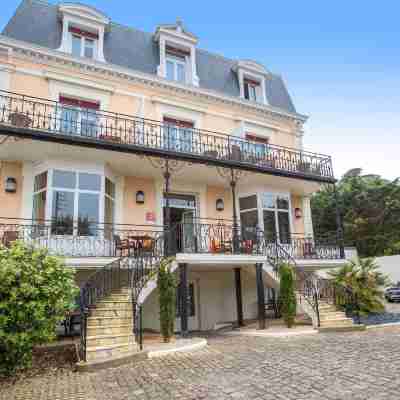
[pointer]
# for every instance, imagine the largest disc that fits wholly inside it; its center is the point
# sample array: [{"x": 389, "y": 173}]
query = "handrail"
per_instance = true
[
  {"x": 146, "y": 135},
  {"x": 96, "y": 288}
]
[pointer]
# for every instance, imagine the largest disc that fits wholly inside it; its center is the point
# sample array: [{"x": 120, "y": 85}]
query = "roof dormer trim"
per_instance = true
[
  {"x": 84, "y": 12},
  {"x": 175, "y": 35},
  {"x": 85, "y": 18}
]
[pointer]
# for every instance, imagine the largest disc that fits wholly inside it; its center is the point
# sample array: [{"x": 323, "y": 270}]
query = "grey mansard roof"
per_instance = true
[{"x": 37, "y": 22}]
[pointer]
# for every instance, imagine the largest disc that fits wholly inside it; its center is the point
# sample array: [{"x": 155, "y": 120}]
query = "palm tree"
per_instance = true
[{"x": 365, "y": 282}]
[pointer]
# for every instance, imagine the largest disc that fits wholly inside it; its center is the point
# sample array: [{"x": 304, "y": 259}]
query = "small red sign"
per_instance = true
[{"x": 150, "y": 217}]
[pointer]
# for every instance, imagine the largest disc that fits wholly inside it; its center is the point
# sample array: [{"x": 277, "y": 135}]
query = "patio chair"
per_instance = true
[{"x": 123, "y": 246}]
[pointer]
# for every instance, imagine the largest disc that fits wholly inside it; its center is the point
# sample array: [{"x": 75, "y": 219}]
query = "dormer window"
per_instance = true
[
  {"x": 83, "y": 31},
  {"x": 177, "y": 54},
  {"x": 176, "y": 64},
  {"x": 251, "y": 89},
  {"x": 252, "y": 77},
  {"x": 83, "y": 44}
]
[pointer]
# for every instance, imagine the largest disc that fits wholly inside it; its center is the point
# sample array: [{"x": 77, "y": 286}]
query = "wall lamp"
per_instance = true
[
  {"x": 298, "y": 213},
  {"x": 139, "y": 197},
  {"x": 10, "y": 185},
  {"x": 219, "y": 205}
]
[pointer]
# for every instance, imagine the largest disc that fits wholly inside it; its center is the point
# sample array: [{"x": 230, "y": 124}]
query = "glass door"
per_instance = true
[{"x": 188, "y": 238}]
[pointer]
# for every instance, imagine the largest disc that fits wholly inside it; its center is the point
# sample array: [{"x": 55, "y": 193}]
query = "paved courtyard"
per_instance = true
[{"x": 354, "y": 366}]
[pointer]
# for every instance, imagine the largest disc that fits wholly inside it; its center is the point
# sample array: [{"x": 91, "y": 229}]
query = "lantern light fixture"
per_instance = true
[
  {"x": 10, "y": 185},
  {"x": 139, "y": 197},
  {"x": 219, "y": 205}
]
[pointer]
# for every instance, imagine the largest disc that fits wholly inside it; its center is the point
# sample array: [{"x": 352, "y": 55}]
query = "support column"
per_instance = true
[
  {"x": 167, "y": 221},
  {"x": 260, "y": 296},
  {"x": 239, "y": 302},
  {"x": 183, "y": 301},
  {"x": 307, "y": 218},
  {"x": 235, "y": 233},
  {"x": 339, "y": 224}
]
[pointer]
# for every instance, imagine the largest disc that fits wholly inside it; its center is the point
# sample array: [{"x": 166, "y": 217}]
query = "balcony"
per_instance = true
[
  {"x": 46, "y": 120},
  {"x": 88, "y": 239}
]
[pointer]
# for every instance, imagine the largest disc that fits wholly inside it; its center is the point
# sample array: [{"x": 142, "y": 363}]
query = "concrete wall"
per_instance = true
[
  {"x": 10, "y": 203},
  {"x": 215, "y": 300},
  {"x": 390, "y": 265}
]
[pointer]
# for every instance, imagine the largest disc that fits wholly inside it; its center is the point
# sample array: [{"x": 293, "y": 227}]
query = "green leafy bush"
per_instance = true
[
  {"x": 167, "y": 299},
  {"x": 365, "y": 281},
  {"x": 287, "y": 295},
  {"x": 36, "y": 290}
]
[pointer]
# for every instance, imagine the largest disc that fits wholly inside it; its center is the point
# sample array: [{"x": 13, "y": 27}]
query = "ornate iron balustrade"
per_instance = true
[
  {"x": 44, "y": 119},
  {"x": 82, "y": 239},
  {"x": 75, "y": 239}
]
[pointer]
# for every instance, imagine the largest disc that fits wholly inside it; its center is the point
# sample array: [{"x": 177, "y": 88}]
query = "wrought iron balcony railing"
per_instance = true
[
  {"x": 44, "y": 119},
  {"x": 110, "y": 240}
]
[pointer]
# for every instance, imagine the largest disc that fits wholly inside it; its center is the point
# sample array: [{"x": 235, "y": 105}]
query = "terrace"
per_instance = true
[{"x": 45, "y": 120}]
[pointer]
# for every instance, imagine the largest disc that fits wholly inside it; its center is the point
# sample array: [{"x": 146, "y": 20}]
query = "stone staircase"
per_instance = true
[
  {"x": 110, "y": 328},
  {"x": 332, "y": 320}
]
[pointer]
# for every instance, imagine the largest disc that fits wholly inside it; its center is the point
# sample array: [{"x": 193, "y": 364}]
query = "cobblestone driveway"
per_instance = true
[{"x": 353, "y": 366}]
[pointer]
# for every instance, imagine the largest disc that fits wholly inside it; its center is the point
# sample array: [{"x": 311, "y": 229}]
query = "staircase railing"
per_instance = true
[
  {"x": 143, "y": 267},
  {"x": 306, "y": 282},
  {"x": 98, "y": 286}
]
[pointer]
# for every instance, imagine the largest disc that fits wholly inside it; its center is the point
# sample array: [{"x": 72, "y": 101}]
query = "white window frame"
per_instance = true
[
  {"x": 51, "y": 189},
  {"x": 80, "y": 112},
  {"x": 83, "y": 39},
  {"x": 260, "y": 209},
  {"x": 176, "y": 61},
  {"x": 253, "y": 95}
]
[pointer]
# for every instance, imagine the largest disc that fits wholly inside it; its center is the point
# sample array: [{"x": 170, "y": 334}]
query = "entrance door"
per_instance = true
[
  {"x": 182, "y": 215},
  {"x": 188, "y": 238}
]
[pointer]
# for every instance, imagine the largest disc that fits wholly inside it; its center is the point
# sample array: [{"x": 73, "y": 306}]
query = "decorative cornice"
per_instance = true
[{"x": 44, "y": 55}]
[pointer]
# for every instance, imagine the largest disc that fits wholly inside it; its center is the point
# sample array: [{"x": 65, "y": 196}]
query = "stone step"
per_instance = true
[
  {"x": 350, "y": 328},
  {"x": 119, "y": 297},
  {"x": 109, "y": 340},
  {"x": 114, "y": 304},
  {"x": 333, "y": 314},
  {"x": 109, "y": 330},
  {"x": 111, "y": 312},
  {"x": 108, "y": 321},
  {"x": 107, "y": 352},
  {"x": 336, "y": 322}
]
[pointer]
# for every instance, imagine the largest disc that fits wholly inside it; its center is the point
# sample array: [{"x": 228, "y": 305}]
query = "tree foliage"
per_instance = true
[
  {"x": 366, "y": 283},
  {"x": 370, "y": 209},
  {"x": 287, "y": 294},
  {"x": 36, "y": 290},
  {"x": 167, "y": 299}
]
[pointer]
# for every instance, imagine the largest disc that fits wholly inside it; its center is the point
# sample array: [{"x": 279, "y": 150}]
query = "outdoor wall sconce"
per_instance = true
[
  {"x": 219, "y": 205},
  {"x": 10, "y": 185},
  {"x": 139, "y": 197},
  {"x": 298, "y": 213}
]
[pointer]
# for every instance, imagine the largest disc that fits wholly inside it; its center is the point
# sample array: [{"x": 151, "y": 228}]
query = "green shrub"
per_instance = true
[
  {"x": 36, "y": 290},
  {"x": 287, "y": 295},
  {"x": 167, "y": 299}
]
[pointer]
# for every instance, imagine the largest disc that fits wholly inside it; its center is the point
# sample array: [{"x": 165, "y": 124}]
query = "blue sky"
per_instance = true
[{"x": 340, "y": 60}]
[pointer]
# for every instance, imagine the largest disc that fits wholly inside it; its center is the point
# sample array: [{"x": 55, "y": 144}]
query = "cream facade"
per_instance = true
[{"x": 87, "y": 142}]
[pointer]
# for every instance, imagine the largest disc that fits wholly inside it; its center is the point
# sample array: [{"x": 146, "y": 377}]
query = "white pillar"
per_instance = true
[
  {"x": 161, "y": 69},
  {"x": 307, "y": 217}
]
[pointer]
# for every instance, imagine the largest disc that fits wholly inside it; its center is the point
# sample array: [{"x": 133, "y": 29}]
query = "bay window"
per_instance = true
[
  {"x": 276, "y": 216},
  {"x": 248, "y": 217},
  {"x": 269, "y": 212},
  {"x": 74, "y": 201}
]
